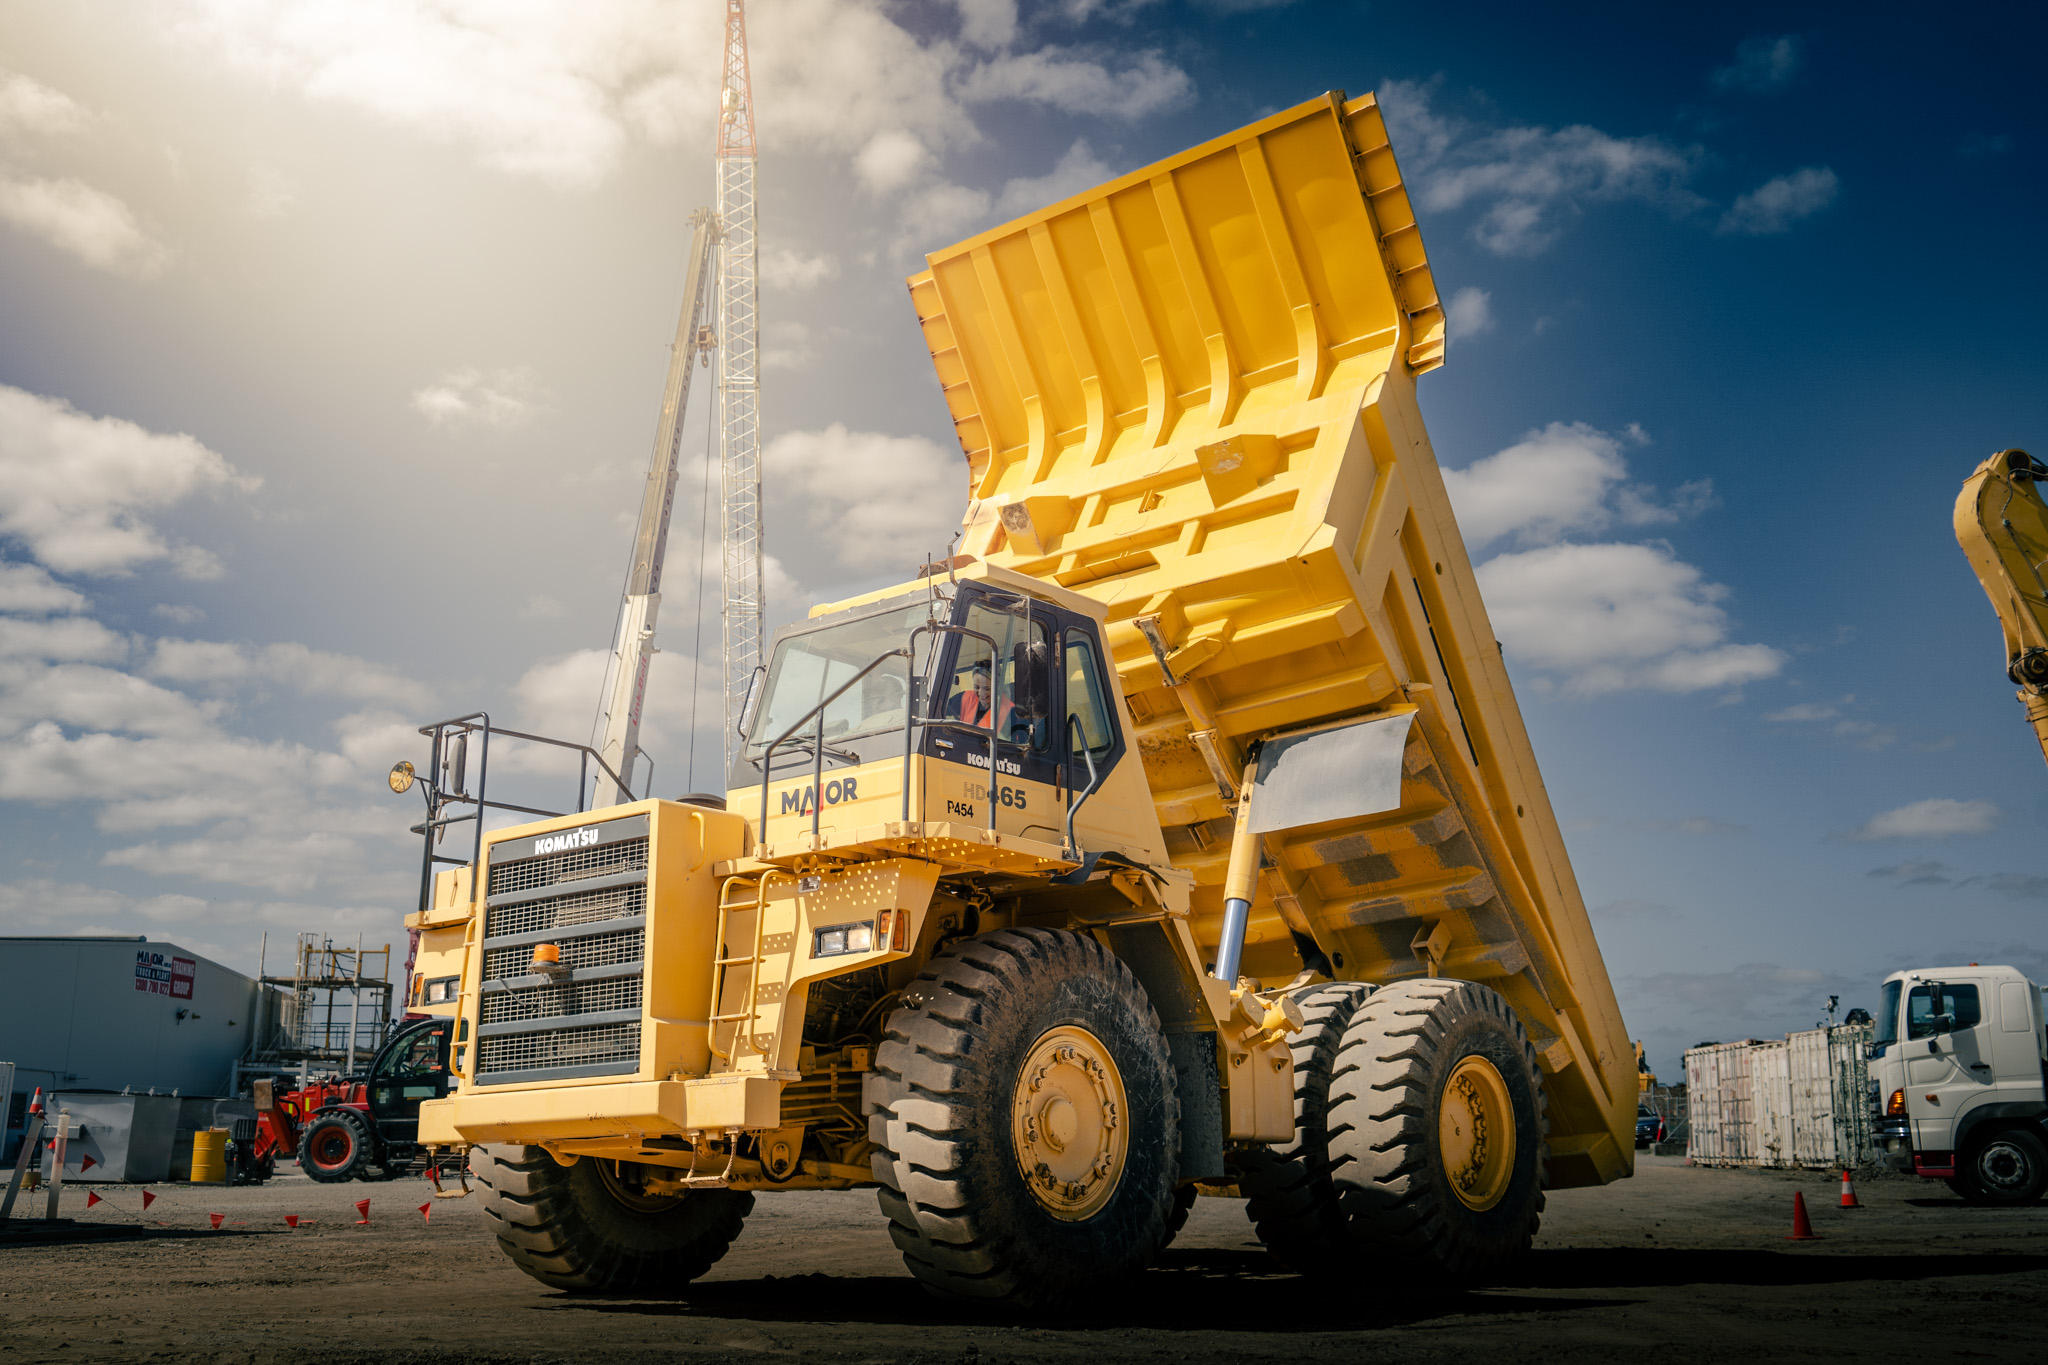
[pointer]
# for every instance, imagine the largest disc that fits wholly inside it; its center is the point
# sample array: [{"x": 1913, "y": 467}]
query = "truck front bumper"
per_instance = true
[
  {"x": 619, "y": 1112},
  {"x": 1892, "y": 1138}
]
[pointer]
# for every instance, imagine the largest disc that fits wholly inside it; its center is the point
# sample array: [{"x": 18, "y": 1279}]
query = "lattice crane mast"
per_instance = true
[{"x": 739, "y": 379}]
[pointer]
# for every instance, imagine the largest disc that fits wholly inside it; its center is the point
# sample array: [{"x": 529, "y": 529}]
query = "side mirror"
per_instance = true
[{"x": 1031, "y": 672}]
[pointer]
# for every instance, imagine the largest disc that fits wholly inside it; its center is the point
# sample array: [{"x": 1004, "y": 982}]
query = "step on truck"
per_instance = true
[
  {"x": 1956, "y": 1081},
  {"x": 1179, "y": 832}
]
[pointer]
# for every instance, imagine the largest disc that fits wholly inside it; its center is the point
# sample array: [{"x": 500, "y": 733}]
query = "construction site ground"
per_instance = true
[{"x": 1685, "y": 1262}]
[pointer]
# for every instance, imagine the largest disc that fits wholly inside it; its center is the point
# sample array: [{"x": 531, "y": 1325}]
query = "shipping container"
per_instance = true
[
  {"x": 1800, "y": 1101},
  {"x": 1770, "y": 1088},
  {"x": 1723, "y": 1126}
]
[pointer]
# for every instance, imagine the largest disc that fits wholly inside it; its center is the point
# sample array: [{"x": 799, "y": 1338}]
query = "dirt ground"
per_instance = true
[{"x": 1686, "y": 1262}]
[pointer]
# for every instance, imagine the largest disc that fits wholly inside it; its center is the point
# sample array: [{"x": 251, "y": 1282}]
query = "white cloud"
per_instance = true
[
  {"x": 1938, "y": 818},
  {"x": 182, "y": 613},
  {"x": 1761, "y": 64},
  {"x": 1470, "y": 313},
  {"x": 70, "y": 638},
  {"x": 1776, "y": 205},
  {"x": 73, "y": 487},
  {"x": 29, "y": 588},
  {"x": 312, "y": 671},
  {"x": 1564, "y": 478},
  {"x": 28, "y": 106},
  {"x": 786, "y": 346},
  {"x": 1525, "y": 180},
  {"x": 558, "y": 93},
  {"x": 1075, "y": 85},
  {"x": 988, "y": 24},
  {"x": 787, "y": 269},
  {"x": 875, "y": 502},
  {"x": 470, "y": 397},
  {"x": 892, "y": 159},
  {"x": 1549, "y": 483},
  {"x": 1077, "y": 169},
  {"x": 91, "y": 224},
  {"x": 269, "y": 193},
  {"x": 1612, "y": 617},
  {"x": 1863, "y": 734},
  {"x": 1604, "y": 616}
]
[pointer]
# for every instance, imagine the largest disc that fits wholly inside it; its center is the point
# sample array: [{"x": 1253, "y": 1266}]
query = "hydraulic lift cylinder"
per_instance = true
[{"x": 1240, "y": 882}]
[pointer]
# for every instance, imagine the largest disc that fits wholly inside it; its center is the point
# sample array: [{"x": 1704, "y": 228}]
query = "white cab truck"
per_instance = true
[{"x": 1956, "y": 1081}]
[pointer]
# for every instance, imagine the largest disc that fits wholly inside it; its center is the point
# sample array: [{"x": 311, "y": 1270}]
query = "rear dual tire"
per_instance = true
[{"x": 1420, "y": 1133}]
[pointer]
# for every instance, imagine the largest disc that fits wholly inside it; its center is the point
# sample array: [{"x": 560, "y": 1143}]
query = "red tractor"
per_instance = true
[{"x": 359, "y": 1127}]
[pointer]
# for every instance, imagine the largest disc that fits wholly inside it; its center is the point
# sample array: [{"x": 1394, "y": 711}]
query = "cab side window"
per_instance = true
[
  {"x": 1087, "y": 702},
  {"x": 983, "y": 688},
  {"x": 422, "y": 1055},
  {"x": 1961, "y": 1001}
]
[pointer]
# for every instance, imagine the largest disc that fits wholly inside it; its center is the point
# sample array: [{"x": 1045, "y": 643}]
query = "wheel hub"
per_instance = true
[
  {"x": 2003, "y": 1166},
  {"x": 1476, "y": 1133},
  {"x": 1066, "y": 1121}
]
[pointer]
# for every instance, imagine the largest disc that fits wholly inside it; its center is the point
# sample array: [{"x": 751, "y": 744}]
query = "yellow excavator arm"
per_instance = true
[{"x": 2002, "y": 525}]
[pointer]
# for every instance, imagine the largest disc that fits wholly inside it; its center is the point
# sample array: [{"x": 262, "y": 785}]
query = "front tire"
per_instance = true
[
  {"x": 2007, "y": 1168},
  {"x": 1025, "y": 1122},
  {"x": 1437, "y": 1132},
  {"x": 335, "y": 1147},
  {"x": 585, "y": 1229}
]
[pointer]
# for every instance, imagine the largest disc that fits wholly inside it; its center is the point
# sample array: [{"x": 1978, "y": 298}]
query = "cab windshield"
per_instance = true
[{"x": 807, "y": 668}]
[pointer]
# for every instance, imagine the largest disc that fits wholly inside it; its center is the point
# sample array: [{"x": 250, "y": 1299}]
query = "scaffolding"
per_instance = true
[{"x": 335, "y": 1005}]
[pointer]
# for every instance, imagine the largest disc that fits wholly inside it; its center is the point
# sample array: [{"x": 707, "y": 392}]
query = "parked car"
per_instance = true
[{"x": 1649, "y": 1126}]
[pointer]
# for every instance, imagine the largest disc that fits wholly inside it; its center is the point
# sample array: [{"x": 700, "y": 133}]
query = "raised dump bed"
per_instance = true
[{"x": 1190, "y": 395}]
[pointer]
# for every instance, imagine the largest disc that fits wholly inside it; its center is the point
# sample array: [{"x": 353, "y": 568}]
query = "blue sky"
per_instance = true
[{"x": 331, "y": 338}]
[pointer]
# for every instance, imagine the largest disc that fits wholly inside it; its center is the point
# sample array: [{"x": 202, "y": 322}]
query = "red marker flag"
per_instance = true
[
  {"x": 92, "y": 1198},
  {"x": 291, "y": 1220},
  {"x": 86, "y": 1165},
  {"x": 427, "y": 1211},
  {"x": 216, "y": 1218},
  {"x": 363, "y": 1207},
  {"x": 147, "y": 1200}
]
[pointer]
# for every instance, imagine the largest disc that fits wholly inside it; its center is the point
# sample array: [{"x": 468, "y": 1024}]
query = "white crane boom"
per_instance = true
[{"x": 625, "y": 684}]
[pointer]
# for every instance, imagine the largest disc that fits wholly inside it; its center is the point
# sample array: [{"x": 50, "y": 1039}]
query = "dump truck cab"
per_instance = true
[
  {"x": 977, "y": 700},
  {"x": 1956, "y": 1080}
]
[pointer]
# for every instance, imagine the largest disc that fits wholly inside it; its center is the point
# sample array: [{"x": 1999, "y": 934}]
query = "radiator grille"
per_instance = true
[
  {"x": 597, "y": 950},
  {"x": 553, "y": 1002},
  {"x": 576, "y": 1047},
  {"x": 548, "y": 1029},
  {"x": 628, "y": 855},
  {"x": 565, "y": 912}
]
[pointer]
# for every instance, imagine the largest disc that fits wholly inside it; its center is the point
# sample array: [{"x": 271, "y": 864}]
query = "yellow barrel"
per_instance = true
[{"x": 210, "y": 1156}]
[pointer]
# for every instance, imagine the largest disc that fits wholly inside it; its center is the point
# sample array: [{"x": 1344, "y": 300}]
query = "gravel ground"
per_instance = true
[{"x": 1688, "y": 1262}]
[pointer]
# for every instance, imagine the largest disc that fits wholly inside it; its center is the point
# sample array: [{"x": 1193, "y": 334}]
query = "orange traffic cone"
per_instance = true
[
  {"x": 1802, "y": 1226},
  {"x": 1849, "y": 1199}
]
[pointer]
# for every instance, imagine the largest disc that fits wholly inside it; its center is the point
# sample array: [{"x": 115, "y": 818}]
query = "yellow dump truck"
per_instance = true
[
  {"x": 2002, "y": 525},
  {"x": 1179, "y": 833}
]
